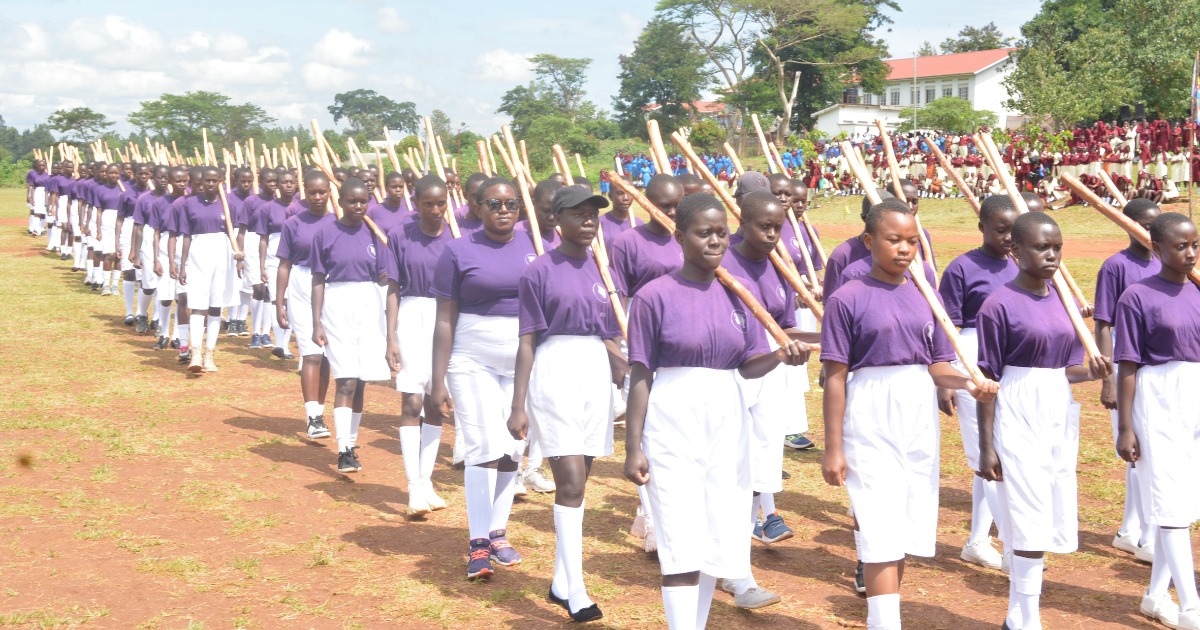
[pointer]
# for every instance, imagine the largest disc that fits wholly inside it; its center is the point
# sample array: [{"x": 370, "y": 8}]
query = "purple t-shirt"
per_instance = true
[
  {"x": 639, "y": 256},
  {"x": 345, "y": 254},
  {"x": 849, "y": 251},
  {"x": 482, "y": 275},
  {"x": 411, "y": 257},
  {"x": 107, "y": 197},
  {"x": 1158, "y": 321},
  {"x": 674, "y": 322},
  {"x": 467, "y": 225},
  {"x": 1021, "y": 329},
  {"x": 388, "y": 219},
  {"x": 550, "y": 238},
  {"x": 127, "y": 203},
  {"x": 1121, "y": 270},
  {"x": 271, "y": 216},
  {"x": 793, "y": 244},
  {"x": 200, "y": 216},
  {"x": 560, "y": 295},
  {"x": 249, "y": 216},
  {"x": 161, "y": 215},
  {"x": 142, "y": 208},
  {"x": 296, "y": 239},
  {"x": 871, "y": 323},
  {"x": 237, "y": 205},
  {"x": 87, "y": 191},
  {"x": 777, "y": 297},
  {"x": 613, "y": 228},
  {"x": 52, "y": 185},
  {"x": 968, "y": 280}
]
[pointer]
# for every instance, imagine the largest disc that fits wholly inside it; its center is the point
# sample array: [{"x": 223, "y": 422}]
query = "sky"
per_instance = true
[{"x": 292, "y": 57}]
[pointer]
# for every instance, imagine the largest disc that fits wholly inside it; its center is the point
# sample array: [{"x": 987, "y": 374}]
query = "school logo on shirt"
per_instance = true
[
  {"x": 738, "y": 318},
  {"x": 795, "y": 242},
  {"x": 600, "y": 292},
  {"x": 782, "y": 294},
  {"x": 529, "y": 258},
  {"x": 928, "y": 334},
  {"x": 371, "y": 250}
]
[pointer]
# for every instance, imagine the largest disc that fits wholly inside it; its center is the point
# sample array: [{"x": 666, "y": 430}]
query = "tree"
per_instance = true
[
  {"x": 525, "y": 104},
  {"x": 707, "y": 135},
  {"x": 663, "y": 69},
  {"x": 970, "y": 39},
  {"x": 441, "y": 123},
  {"x": 181, "y": 117},
  {"x": 369, "y": 112},
  {"x": 948, "y": 114},
  {"x": 927, "y": 50},
  {"x": 566, "y": 75},
  {"x": 80, "y": 124}
]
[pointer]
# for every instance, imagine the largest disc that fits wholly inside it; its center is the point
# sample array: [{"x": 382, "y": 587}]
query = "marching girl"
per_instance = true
[
  {"x": 143, "y": 252},
  {"x": 618, "y": 219},
  {"x": 348, "y": 314},
  {"x": 881, "y": 427},
  {"x": 966, "y": 282},
  {"x": 1029, "y": 436},
  {"x": 271, "y": 216},
  {"x": 687, "y": 337},
  {"x": 474, "y": 359},
  {"x": 192, "y": 183},
  {"x": 107, "y": 198},
  {"x": 569, "y": 354},
  {"x": 243, "y": 185},
  {"x": 1120, "y": 271},
  {"x": 410, "y": 259},
  {"x": 125, "y": 223},
  {"x": 294, "y": 303},
  {"x": 208, "y": 256},
  {"x": 162, "y": 219},
  {"x": 252, "y": 272},
  {"x": 1158, "y": 350},
  {"x": 471, "y": 218},
  {"x": 394, "y": 211},
  {"x": 35, "y": 196}
]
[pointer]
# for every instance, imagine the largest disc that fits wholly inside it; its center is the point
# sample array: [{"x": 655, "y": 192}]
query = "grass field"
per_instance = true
[{"x": 134, "y": 497}]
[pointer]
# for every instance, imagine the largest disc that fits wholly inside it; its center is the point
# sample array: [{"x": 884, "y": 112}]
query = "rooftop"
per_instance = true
[{"x": 946, "y": 65}]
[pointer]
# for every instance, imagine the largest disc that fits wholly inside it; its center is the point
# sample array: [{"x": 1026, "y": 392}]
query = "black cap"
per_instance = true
[
  {"x": 752, "y": 181},
  {"x": 575, "y": 196}
]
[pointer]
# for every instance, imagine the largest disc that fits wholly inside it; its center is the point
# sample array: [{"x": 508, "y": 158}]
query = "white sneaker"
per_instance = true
[
  {"x": 431, "y": 497},
  {"x": 983, "y": 554},
  {"x": 638, "y": 528},
  {"x": 650, "y": 543},
  {"x": 536, "y": 481},
  {"x": 417, "y": 504},
  {"x": 1161, "y": 608},
  {"x": 519, "y": 490},
  {"x": 105, "y": 290},
  {"x": 756, "y": 597},
  {"x": 1188, "y": 620},
  {"x": 1125, "y": 543},
  {"x": 1145, "y": 553}
]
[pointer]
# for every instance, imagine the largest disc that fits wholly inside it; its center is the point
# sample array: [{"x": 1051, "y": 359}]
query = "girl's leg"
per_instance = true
[
  {"x": 572, "y": 473},
  {"x": 1026, "y": 589},
  {"x": 883, "y": 594},
  {"x": 411, "y": 451},
  {"x": 356, "y": 411},
  {"x": 314, "y": 380}
]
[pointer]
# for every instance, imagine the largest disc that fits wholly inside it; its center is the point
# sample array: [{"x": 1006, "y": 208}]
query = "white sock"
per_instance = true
[
  {"x": 560, "y": 585},
  {"x": 212, "y": 332},
  {"x": 243, "y": 307},
  {"x": 767, "y": 501},
  {"x": 1014, "y": 606},
  {"x": 981, "y": 512},
  {"x": 77, "y": 250},
  {"x": 568, "y": 530},
  {"x": 266, "y": 317},
  {"x": 644, "y": 498},
  {"x": 459, "y": 445},
  {"x": 479, "y": 485},
  {"x": 341, "y": 425},
  {"x": 991, "y": 493},
  {"x": 1026, "y": 574},
  {"x": 143, "y": 304},
  {"x": 534, "y": 460},
  {"x": 410, "y": 452},
  {"x": 127, "y": 288},
  {"x": 282, "y": 337},
  {"x": 858, "y": 545},
  {"x": 1160, "y": 570},
  {"x": 704, "y": 597},
  {"x": 355, "y": 420},
  {"x": 255, "y": 308},
  {"x": 502, "y": 500},
  {"x": 755, "y": 504},
  {"x": 679, "y": 602},
  {"x": 883, "y": 612},
  {"x": 196, "y": 328},
  {"x": 431, "y": 439},
  {"x": 313, "y": 409},
  {"x": 1131, "y": 520},
  {"x": 163, "y": 314},
  {"x": 1177, "y": 547}
]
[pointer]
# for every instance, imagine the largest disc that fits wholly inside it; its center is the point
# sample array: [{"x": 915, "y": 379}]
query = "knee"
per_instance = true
[{"x": 569, "y": 490}]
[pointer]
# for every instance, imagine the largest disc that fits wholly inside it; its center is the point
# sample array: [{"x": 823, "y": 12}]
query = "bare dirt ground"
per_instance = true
[{"x": 134, "y": 497}]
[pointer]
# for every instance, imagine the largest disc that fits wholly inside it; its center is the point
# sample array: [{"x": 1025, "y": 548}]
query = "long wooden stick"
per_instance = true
[
  {"x": 968, "y": 194},
  {"x": 762, "y": 141},
  {"x": 600, "y": 253},
  {"x": 579, "y": 162},
  {"x": 435, "y": 146},
  {"x": 658, "y": 152},
  {"x": 228, "y": 221},
  {"x": 897, "y": 182},
  {"x": 535, "y": 230},
  {"x": 778, "y": 159},
  {"x": 564, "y": 166},
  {"x": 1112, "y": 188},
  {"x": 737, "y": 163},
  {"x": 917, "y": 271},
  {"x": 485, "y": 167},
  {"x": 1129, "y": 225}
]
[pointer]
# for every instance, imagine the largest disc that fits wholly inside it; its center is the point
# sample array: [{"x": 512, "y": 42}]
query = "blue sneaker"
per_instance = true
[
  {"x": 758, "y": 530},
  {"x": 479, "y": 565},
  {"x": 773, "y": 530},
  {"x": 255, "y": 341},
  {"x": 501, "y": 551},
  {"x": 798, "y": 442}
]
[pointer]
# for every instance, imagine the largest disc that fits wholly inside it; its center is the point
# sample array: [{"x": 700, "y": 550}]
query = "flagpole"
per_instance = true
[{"x": 1192, "y": 148}]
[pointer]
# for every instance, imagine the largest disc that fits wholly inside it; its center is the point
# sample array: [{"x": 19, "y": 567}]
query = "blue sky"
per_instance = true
[{"x": 292, "y": 57}]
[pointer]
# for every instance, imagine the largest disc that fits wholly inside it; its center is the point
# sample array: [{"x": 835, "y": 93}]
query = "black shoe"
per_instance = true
[
  {"x": 558, "y": 601},
  {"x": 174, "y": 344},
  {"x": 224, "y": 326},
  {"x": 185, "y": 357},
  {"x": 317, "y": 428},
  {"x": 129, "y": 320},
  {"x": 95, "y": 286},
  {"x": 347, "y": 463},
  {"x": 63, "y": 256},
  {"x": 140, "y": 325},
  {"x": 161, "y": 344},
  {"x": 154, "y": 327},
  {"x": 591, "y": 613},
  {"x": 282, "y": 353},
  {"x": 860, "y": 581}
]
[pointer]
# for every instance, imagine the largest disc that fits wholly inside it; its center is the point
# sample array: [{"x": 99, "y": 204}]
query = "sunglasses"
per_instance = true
[{"x": 494, "y": 205}]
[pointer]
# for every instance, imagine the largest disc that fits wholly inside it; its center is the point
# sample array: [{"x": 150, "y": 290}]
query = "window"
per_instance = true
[
  {"x": 914, "y": 96},
  {"x": 930, "y": 95},
  {"x": 947, "y": 92},
  {"x": 963, "y": 92},
  {"x": 895, "y": 97},
  {"x": 868, "y": 99}
]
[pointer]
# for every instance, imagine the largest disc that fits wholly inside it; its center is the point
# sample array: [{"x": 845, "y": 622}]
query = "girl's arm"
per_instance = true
[
  {"x": 318, "y": 305},
  {"x": 1127, "y": 442},
  {"x": 262, "y": 259},
  {"x": 518, "y": 420},
  {"x": 392, "y": 311},
  {"x": 617, "y": 363},
  {"x": 443, "y": 343},
  {"x": 183, "y": 258},
  {"x": 282, "y": 275},
  {"x": 637, "y": 467},
  {"x": 945, "y": 376},
  {"x": 833, "y": 468},
  {"x": 759, "y": 365}
]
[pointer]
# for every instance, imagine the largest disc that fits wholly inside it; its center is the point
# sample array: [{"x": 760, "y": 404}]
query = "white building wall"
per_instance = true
[
  {"x": 990, "y": 92},
  {"x": 856, "y": 119}
]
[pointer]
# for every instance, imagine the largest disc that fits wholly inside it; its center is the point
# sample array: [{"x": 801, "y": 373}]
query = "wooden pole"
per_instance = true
[
  {"x": 484, "y": 166},
  {"x": 1112, "y": 188},
  {"x": 658, "y": 152},
  {"x": 204, "y": 135},
  {"x": 897, "y": 183},
  {"x": 435, "y": 146},
  {"x": 968, "y": 194},
  {"x": 600, "y": 253},
  {"x": 762, "y": 141},
  {"x": 917, "y": 272},
  {"x": 778, "y": 159},
  {"x": 491, "y": 158},
  {"x": 228, "y": 221},
  {"x": 522, "y": 185},
  {"x": 579, "y": 163},
  {"x": 561, "y": 164}
]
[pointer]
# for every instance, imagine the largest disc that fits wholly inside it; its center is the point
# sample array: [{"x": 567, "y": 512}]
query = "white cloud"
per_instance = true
[
  {"x": 504, "y": 66},
  {"x": 325, "y": 78},
  {"x": 113, "y": 41},
  {"x": 391, "y": 22},
  {"x": 339, "y": 48},
  {"x": 24, "y": 41}
]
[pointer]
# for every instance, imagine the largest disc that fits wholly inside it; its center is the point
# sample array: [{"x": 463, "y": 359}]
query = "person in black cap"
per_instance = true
[{"x": 569, "y": 353}]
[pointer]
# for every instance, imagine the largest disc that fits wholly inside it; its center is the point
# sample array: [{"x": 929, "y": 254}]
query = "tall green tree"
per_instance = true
[
  {"x": 79, "y": 124},
  {"x": 949, "y": 114},
  {"x": 664, "y": 68},
  {"x": 527, "y": 103},
  {"x": 927, "y": 50},
  {"x": 972, "y": 38},
  {"x": 369, "y": 112},
  {"x": 181, "y": 117},
  {"x": 565, "y": 76}
]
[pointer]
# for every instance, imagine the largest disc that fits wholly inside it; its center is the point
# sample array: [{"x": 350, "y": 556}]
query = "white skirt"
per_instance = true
[
  {"x": 798, "y": 384},
  {"x": 108, "y": 232},
  {"x": 1037, "y": 439},
  {"x": 696, "y": 441},
  {"x": 480, "y": 380},
  {"x": 39, "y": 201},
  {"x": 890, "y": 435},
  {"x": 354, "y": 322},
  {"x": 570, "y": 400},
  {"x": 62, "y": 212},
  {"x": 1166, "y": 419},
  {"x": 73, "y": 214},
  {"x": 415, "y": 319},
  {"x": 253, "y": 273},
  {"x": 126, "y": 240},
  {"x": 966, "y": 409},
  {"x": 771, "y": 404},
  {"x": 210, "y": 280},
  {"x": 299, "y": 310}
]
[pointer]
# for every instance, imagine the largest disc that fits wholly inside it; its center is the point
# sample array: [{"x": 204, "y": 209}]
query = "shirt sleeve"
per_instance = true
[
  {"x": 1106, "y": 293},
  {"x": 285, "y": 243},
  {"x": 392, "y": 255},
  {"x": 621, "y": 266},
  {"x": 1127, "y": 330},
  {"x": 953, "y": 290},
  {"x": 645, "y": 323},
  {"x": 531, "y": 317},
  {"x": 446, "y": 276},
  {"x": 317, "y": 259},
  {"x": 836, "y": 330},
  {"x": 991, "y": 332}
]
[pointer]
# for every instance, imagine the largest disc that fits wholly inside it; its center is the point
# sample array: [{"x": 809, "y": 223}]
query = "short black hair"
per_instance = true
[
  {"x": 690, "y": 180},
  {"x": 904, "y": 185},
  {"x": 753, "y": 203},
  {"x": 659, "y": 181},
  {"x": 995, "y": 205},
  {"x": 1028, "y": 222},
  {"x": 315, "y": 175},
  {"x": 475, "y": 178},
  {"x": 1137, "y": 208},
  {"x": 491, "y": 182},
  {"x": 693, "y": 205},
  {"x": 583, "y": 181},
  {"x": 867, "y": 205},
  {"x": 1033, "y": 198},
  {"x": 428, "y": 182},
  {"x": 545, "y": 189},
  {"x": 779, "y": 178},
  {"x": 875, "y": 214},
  {"x": 1163, "y": 223},
  {"x": 351, "y": 184}
]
